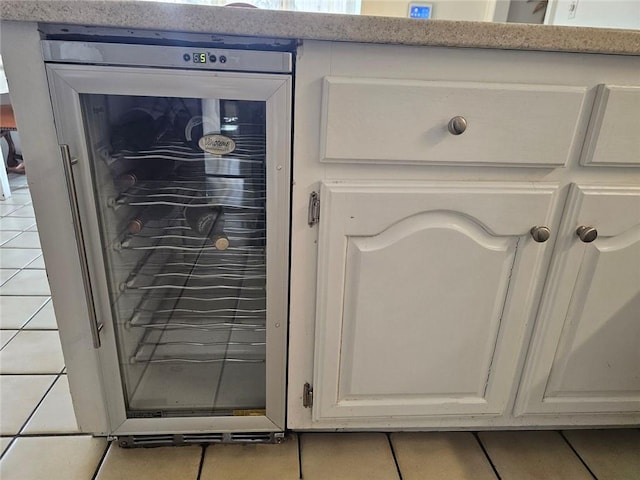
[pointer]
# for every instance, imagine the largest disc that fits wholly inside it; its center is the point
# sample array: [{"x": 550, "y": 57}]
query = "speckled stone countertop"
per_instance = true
[{"x": 298, "y": 25}]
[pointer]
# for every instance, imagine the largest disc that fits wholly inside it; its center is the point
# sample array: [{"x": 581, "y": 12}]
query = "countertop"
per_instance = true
[{"x": 299, "y": 25}]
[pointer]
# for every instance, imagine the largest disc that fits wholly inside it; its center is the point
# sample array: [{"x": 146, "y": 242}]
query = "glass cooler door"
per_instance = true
[{"x": 189, "y": 196}]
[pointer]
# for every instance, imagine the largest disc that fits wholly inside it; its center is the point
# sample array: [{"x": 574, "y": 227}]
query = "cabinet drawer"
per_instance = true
[
  {"x": 614, "y": 130},
  {"x": 406, "y": 122}
]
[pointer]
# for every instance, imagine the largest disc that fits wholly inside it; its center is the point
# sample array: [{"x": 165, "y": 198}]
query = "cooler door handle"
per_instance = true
[{"x": 68, "y": 163}]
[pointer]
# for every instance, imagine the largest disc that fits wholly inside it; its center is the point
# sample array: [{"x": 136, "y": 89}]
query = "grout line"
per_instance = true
[
  {"x": 23, "y": 329},
  {"x": 101, "y": 461},
  {"x": 27, "y": 294},
  {"x": 13, "y": 439},
  {"x": 486, "y": 454},
  {"x": 37, "y": 311},
  {"x": 17, "y": 435},
  {"x": 31, "y": 317},
  {"x": 8, "y": 279},
  {"x": 577, "y": 454},
  {"x": 393, "y": 454},
  {"x": 59, "y": 434},
  {"x": 204, "y": 450},
  {"x": 38, "y": 404},
  {"x": 36, "y": 329},
  {"x": 12, "y": 337}
]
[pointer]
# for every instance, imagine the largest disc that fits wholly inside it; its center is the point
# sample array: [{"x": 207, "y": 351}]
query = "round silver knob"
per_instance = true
[
  {"x": 587, "y": 234},
  {"x": 457, "y": 125},
  {"x": 540, "y": 233}
]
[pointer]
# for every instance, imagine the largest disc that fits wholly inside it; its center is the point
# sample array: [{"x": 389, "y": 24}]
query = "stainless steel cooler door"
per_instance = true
[{"x": 182, "y": 187}]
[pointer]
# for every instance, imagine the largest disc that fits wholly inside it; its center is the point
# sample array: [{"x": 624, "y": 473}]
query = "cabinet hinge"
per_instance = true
[
  {"x": 307, "y": 396},
  {"x": 314, "y": 208}
]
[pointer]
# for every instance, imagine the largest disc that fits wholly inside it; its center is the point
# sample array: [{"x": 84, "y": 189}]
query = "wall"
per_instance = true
[
  {"x": 4, "y": 87},
  {"x": 327, "y": 6},
  {"x": 473, "y": 10},
  {"x": 521, "y": 11},
  {"x": 595, "y": 13}
]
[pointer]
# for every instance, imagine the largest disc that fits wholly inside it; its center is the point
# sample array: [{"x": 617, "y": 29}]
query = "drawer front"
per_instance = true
[
  {"x": 614, "y": 130},
  {"x": 407, "y": 122}
]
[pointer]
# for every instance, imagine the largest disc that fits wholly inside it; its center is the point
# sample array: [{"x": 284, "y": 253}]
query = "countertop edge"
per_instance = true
[{"x": 319, "y": 26}]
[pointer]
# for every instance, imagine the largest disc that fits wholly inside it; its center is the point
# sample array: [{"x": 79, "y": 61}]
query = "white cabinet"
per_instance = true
[
  {"x": 424, "y": 293},
  {"x": 421, "y": 300},
  {"x": 585, "y": 356}
]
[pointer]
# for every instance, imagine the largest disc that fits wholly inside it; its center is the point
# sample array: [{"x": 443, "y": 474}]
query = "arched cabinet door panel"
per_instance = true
[
  {"x": 424, "y": 294},
  {"x": 585, "y": 354}
]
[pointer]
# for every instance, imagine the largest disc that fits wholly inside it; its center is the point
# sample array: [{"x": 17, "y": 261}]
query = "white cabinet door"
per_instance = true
[
  {"x": 585, "y": 353},
  {"x": 424, "y": 294}
]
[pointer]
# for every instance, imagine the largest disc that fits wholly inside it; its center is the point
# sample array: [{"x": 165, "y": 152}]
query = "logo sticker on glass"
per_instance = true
[{"x": 216, "y": 144}]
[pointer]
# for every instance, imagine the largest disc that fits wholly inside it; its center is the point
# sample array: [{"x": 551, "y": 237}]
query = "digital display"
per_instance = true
[
  {"x": 420, "y": 11},
  {"x": 199, "y": 57}
]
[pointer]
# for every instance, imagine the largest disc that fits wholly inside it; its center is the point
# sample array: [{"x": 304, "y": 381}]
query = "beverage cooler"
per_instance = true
[{"x": 177, "y": 162}]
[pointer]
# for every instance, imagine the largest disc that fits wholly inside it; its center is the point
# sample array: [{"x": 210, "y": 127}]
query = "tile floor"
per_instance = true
[{"x": 39, "y": 437}]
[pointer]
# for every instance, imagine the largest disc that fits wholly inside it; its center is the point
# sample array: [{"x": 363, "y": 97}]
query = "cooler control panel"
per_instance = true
[
  {"x": 200, "y": 58},
  {"x": 204, "y": 57}
]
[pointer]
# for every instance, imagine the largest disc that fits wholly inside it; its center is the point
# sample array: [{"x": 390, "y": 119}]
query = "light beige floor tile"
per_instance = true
[
  {"x": 24, "y": 240},
  {"x": 4, "y": 443},
  {"x": 610, "y": 454},
  {"x": 347, "y": 456},
  {"x": 16, "y": 223},
  {"x": 27, "y": 282},
  {"x": 55, "y": 413},
  {"x": 6, "y": 274},
  {"x": 15, "y": 311},
  {"x": 249, "y": 462},
  {"x": 17, "y": 180},
  {"x": 7, "y": 235},
  {"x": 441, "y": 456},
  {"x": 164, "y": 463},
  {"x": 20, "y": 191},
  {"x": 20, "y": 395},
  {"x": 16, "y": 200},
  {"x": 37, "y": 263},
  {"x": 5, "y": 336},
  {"x": 19, "y": 184},
  {"x": 533, "y": 456},
  {"x": 32, "y": 352},
  {"x": 17, "y": 257},
  {"x": 6, "y": 209},
  {"x": 53, "y": 458},
  {"x": 45, "y": 319},
  {"x": 26, "y": 211}
]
